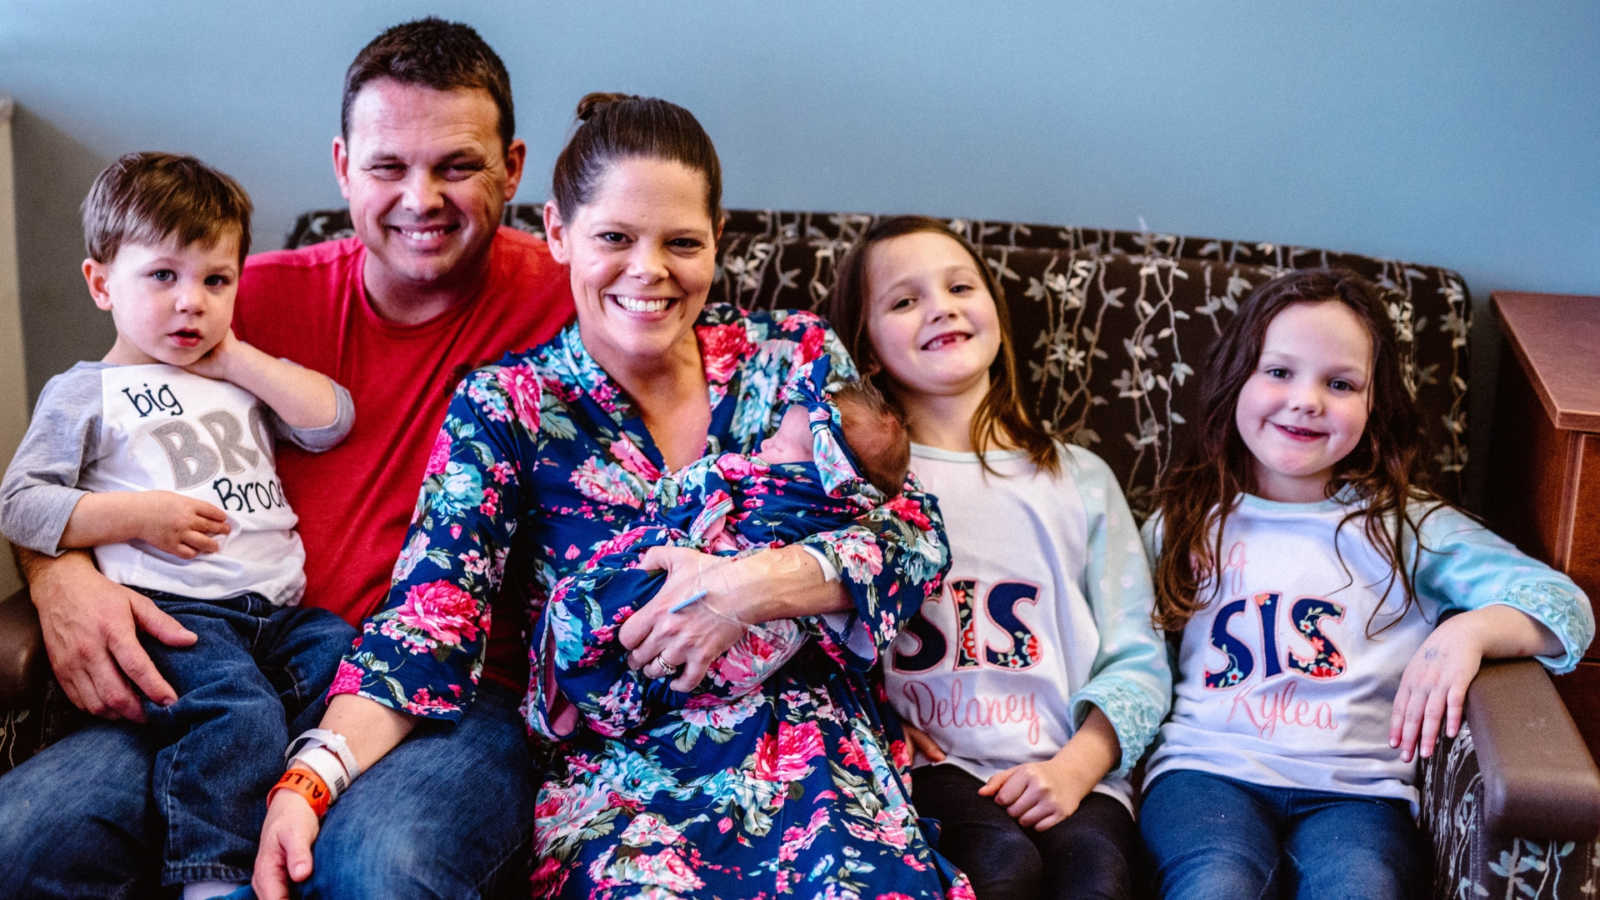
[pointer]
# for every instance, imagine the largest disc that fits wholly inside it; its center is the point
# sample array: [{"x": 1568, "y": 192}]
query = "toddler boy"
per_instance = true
[{"x": 160, "y": 458}]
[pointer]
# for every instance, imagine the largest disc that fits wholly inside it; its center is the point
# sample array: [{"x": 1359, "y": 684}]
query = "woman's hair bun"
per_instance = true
[
  {"x": 593, "y": 102},
  {"x": 613, "y": 127}
]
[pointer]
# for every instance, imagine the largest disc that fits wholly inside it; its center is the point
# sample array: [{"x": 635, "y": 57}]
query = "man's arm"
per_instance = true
[{"x": 91, "y": 628}]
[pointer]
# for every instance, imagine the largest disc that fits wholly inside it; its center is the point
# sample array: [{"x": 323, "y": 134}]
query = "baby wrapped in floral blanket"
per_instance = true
[{"x": 801, "y": 481}]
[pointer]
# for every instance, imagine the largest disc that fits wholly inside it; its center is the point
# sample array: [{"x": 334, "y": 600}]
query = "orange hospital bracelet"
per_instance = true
[{"x": 307, "y": 784}]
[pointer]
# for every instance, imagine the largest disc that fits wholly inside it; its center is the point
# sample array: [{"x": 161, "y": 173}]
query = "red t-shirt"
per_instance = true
[{"x": 355, "y": 501}]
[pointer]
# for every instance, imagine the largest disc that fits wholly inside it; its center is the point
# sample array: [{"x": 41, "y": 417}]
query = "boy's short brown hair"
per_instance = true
[
  {"x": 150, "y": 198},
  {"x": 877, "y": 435}
]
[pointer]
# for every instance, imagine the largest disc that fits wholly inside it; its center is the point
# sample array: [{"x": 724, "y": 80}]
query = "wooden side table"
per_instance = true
[{"x": 1544, "y": 475}]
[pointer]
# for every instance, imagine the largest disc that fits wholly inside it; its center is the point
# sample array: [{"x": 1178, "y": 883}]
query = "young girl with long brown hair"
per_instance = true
[
  {"x": 1332, "y": 612},
  {"x": 1034, "y": 682}
]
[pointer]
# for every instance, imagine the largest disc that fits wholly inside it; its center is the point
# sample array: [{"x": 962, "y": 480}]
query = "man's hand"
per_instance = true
[
  {"x": 91, "y": 635},
  {"x": 284, "y": 853}
]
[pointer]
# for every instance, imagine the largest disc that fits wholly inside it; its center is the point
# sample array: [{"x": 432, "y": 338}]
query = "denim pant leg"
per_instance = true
[
  {"x": 299, "y": 654},
  {"x": 221, "y": 741},
  {"x": 440, "y": 816},
  {"x": 1344, "y": 846},
  {"x": 976, "y": 833},
  {"x": 1090, "y": 853},
  {"x": 76, "y": 818},
  {"x": 1213, "y": 838}
]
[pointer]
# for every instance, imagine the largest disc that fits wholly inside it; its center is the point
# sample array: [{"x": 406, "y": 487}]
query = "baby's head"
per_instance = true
[
  {"x": 872, "y": 428},
  {"x": 166, "y": 237}
]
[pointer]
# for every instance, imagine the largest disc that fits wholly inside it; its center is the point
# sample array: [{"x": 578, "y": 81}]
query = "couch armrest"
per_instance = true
[
  {"x": 22, "y": 657},
  {"x": 1539, "y": 780}
]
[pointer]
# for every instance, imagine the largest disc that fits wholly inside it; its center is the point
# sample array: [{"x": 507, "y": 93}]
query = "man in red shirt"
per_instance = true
[{"x": 430, "y": 287}]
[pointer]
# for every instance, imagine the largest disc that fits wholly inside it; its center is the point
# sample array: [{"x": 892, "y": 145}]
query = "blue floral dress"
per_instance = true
[
  {"x": 795, "y": 790},
  {"x": 725, "y": 504}
]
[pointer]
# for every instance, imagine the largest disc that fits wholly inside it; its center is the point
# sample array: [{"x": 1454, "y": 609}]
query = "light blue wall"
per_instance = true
[{"x": 1464, "y": 134}]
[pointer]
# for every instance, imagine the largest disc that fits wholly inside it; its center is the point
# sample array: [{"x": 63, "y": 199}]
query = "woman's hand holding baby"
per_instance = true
[
  {"x": 766, "y": 585},
  {"x": 690, "y": 640}
]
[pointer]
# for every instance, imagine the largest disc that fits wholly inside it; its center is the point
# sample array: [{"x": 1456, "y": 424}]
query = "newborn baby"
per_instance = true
[{"x": 726, "y": 504}]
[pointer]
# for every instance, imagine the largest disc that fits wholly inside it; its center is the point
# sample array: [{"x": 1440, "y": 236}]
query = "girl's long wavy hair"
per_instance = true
[
  {"x": 1002, "y": 420},
  {"x": 1197, "y": 493}
]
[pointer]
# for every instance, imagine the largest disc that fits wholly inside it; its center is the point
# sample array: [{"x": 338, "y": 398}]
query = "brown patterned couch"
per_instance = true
[{"x": 1112, "y": 325}]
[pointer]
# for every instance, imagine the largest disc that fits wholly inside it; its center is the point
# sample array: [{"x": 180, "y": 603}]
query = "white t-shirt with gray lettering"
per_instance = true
[{"x": 104, "y": 427}]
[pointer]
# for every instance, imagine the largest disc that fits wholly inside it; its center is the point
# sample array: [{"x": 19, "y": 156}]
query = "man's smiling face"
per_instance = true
[{"x": 427, "y": 178}]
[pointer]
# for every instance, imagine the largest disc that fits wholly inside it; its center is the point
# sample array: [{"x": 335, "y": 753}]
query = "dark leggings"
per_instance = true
[{"x": 1086, "y": 855}]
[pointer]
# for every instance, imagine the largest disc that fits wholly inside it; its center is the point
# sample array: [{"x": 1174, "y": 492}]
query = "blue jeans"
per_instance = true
[
  {"x": 447, "y": 813},
  {"x": 1217, "y": 837},
  {"x": 1087, "y": 855},
  {"x": 180, "y": 798}
]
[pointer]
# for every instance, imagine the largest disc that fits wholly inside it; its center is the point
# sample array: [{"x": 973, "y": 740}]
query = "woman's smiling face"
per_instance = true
[{"x": 642, "y": 254}]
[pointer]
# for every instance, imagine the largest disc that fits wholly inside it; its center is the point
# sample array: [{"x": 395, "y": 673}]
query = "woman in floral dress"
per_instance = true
[{"x": 795, "y": 790}]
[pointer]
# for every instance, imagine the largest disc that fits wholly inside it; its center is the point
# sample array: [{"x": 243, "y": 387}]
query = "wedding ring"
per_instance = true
[{"x": 659, "y": 668}]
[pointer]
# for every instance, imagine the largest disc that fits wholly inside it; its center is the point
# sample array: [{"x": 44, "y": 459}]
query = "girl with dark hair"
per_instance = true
[
  {"x": 548, "y": 457},
  {"x": 1330, "y": 611},
  {"x": 1034, "y": 684}
]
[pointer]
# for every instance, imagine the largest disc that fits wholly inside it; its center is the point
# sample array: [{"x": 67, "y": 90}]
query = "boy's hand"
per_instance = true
[
  {"x": 182, "y": 526},
  {"x": 1038, "y": 794},
  {"x": 215, "y": 363},
  {"x": 1434, "y": 686}
]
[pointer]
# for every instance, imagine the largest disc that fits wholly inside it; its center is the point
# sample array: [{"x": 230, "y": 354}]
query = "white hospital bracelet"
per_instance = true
[
  {"x": 321, "y": 760},
  {"x": 334, "y": 741},
  {"x": 764, "y": 632},
  {"x": 829, "y": 573}
]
